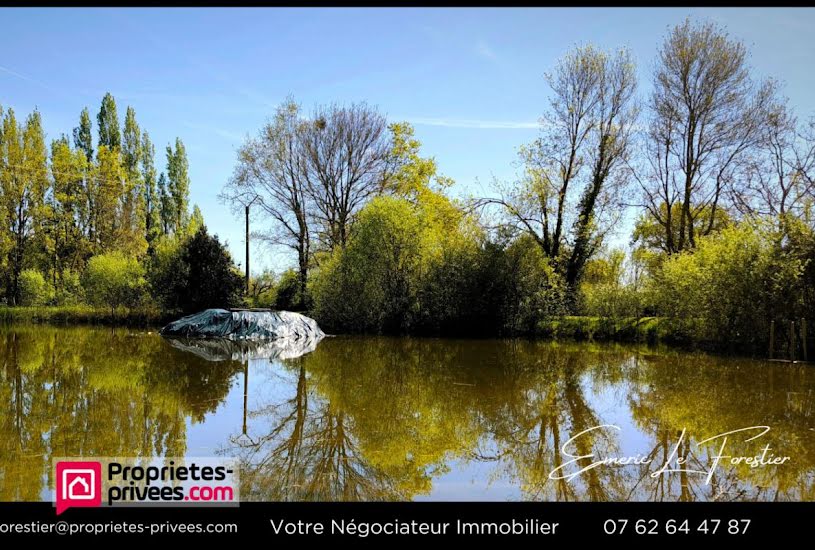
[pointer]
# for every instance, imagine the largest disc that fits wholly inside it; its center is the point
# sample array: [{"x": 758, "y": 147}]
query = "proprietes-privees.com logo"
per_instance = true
[{"x": 85, "y": 482}]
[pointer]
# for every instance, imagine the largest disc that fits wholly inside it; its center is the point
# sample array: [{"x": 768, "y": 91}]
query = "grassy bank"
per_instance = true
[{"x": 78, "y": 315}]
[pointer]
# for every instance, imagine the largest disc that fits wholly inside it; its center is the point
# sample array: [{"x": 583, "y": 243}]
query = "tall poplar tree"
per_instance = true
[
  {"x": 109, "y": 133},
  {"x": 66, "y": 210},
  {"x": 108, "y": 181},
  {"x": 165, "y": 205},
  {"x": 83, "y": 138},
  {"x": 152, "y": 203},
  {"x": 132, "y": 201},
  {"x": 23, "y": 183},
  {"x": 178, "y": 185}
]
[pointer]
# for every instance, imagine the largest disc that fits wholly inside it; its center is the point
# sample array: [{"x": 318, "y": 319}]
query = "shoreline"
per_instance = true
[{"x": 651, "y": 331}]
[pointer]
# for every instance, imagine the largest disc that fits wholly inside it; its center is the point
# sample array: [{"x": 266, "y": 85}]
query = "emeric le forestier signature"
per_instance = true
[{"x": 675, "y": 462}]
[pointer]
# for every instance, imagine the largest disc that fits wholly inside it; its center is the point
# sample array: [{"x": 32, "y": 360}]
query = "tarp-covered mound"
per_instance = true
[{"x": 246, "y": 324}]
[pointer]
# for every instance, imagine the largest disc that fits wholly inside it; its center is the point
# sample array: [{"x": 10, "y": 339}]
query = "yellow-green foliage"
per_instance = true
[
  {"x": 605, "y": 293},
  {"x": 114, "y": 280},
  {"x": 535, "y": 291},
  {"x": 33, "y": 288},
  {"x": 372, "y": 284},
  {"x": 734, "y": 283},
  {"x": 390, "y": 275}
]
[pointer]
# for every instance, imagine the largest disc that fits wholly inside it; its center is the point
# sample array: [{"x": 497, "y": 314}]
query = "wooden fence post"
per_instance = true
[
  {"x": 772, "y": 338},
  {"x": 804, "y": 338},
  {"x": 792, "y": 340}
]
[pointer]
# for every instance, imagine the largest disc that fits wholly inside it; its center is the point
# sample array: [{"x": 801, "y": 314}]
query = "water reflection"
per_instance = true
[
  {"x": 394, "y": 419},
  {"x": 225, "y": 349},
  {"x": 91, "y": 392}
]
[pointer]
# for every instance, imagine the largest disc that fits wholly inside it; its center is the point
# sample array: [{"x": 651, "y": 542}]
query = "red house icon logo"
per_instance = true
[{"x": 78, "y": 484}]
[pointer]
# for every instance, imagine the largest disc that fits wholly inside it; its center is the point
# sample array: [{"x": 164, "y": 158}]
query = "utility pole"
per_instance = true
[
  {"x": 247, "y": 249},
  {"x": 246, "y": 210}
]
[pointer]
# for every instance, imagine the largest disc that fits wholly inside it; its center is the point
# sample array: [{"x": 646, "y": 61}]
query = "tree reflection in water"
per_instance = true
[
  {"x": 401, "y": 418},
  {"x": 409, "y": 409},
  {"x": 95, "y": 392}
]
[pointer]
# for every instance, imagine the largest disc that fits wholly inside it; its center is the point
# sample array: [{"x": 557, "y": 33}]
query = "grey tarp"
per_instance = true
[{"x": 279, "y": 334}]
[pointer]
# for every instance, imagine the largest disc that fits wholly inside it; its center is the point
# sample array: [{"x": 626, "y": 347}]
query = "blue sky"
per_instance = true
[{"x": 470, "y": 80}]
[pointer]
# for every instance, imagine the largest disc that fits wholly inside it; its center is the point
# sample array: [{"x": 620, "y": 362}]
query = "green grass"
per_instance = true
[{"x": 81, "y": 314}]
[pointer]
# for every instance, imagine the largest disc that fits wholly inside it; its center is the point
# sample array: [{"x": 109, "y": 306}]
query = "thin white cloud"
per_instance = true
[
  {"x": 226, "y": 134},
  {"x": 203, "y": 64},
  {"x": 484, "y": 50},
  {"x": 474, "y": 123},
  {"x": 24, "y": 77}
]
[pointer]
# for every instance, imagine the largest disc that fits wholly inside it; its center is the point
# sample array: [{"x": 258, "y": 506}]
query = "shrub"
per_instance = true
[
  {"x": 287, "y": 294},
  {"x": 34, "y": 290},
  {"x": 728, "y": 290},
  {"x": 611, "y": 300},
  {"x": 411, "y": 265},
  {"x": 535, "y": 291},
  {"x": 423, "y": 266},
  {"x": 114, "y": 280},
  {"x": 371, "y": 284}
]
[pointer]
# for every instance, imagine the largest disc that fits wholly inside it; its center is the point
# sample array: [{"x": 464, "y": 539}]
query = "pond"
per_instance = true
[{"x": 371, "y": 418}]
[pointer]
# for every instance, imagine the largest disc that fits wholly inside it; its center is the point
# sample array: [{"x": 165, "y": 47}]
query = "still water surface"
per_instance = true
[{"x": 398, "y": 419}]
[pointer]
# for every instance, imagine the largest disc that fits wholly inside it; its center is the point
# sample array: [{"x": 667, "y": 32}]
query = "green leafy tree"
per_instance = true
[
  {"x": 178, "y": 186},
  {"x": 535, "y": 291},
  {"x": 197, "y": 275},
  {"x": 67, "y": 246},
  {"x": 132, "y": 203},
  {"x": 131, "y": 144},
  {"x": 165, "y": 205},
  {"x": 263, "y": 290},
  {"x": 152, "y": 200},
  {"x": 108, "y": 120},
  {"x": 108, "y": 181},
  {"x": 726, "y": 292},
  {"x": 23, "y": 185},
  {"x": 83, "y": 138},
  {"x": 195, "y": 222},
  {"x": 651, "y": 234},
  {"x": 34, "y": 290},
  {"x": 610, "y": 286}
]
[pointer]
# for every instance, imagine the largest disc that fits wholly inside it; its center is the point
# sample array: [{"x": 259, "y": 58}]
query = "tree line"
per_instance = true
[
  {"x": 714, "y": 163},
  {"x": 89, "y": 218}
]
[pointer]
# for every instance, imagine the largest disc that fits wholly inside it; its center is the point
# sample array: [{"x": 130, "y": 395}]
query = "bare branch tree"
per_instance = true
[
  {"x": 271, "y": 171},
  {"x": 347, "y": 154},
  {"x": 707, "y": 114},
  {"x": 779, "y": 178}
]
